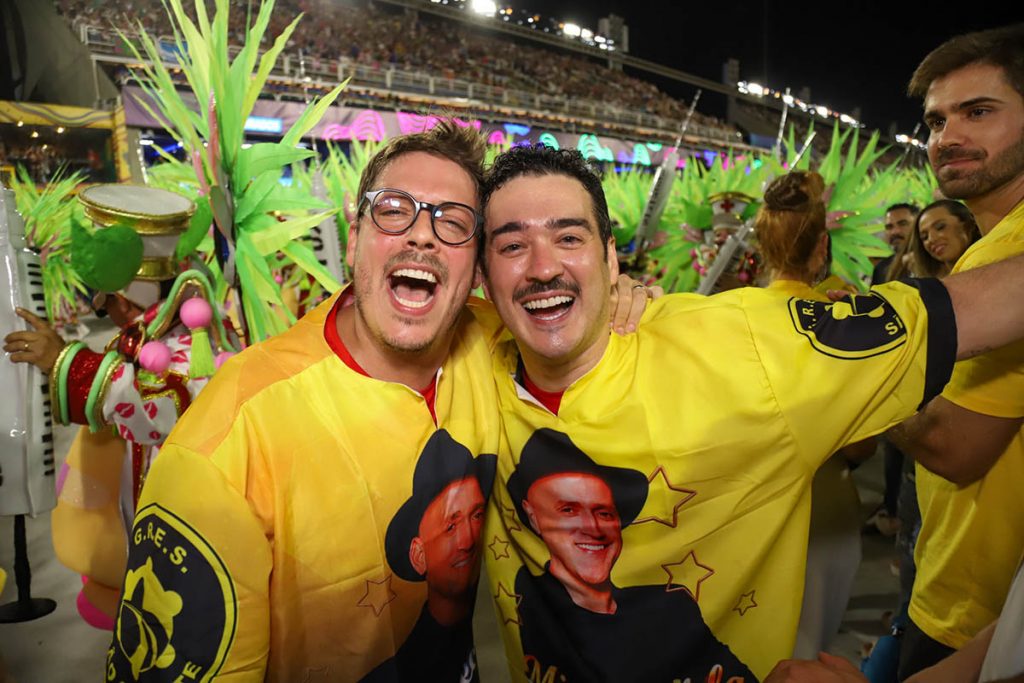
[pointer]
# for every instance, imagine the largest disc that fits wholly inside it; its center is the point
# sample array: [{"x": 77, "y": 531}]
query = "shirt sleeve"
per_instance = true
[
  {"x": 195, "y": 601},
  {"x": 841, "y": 372},
  {"x": 992, "y": 383}
]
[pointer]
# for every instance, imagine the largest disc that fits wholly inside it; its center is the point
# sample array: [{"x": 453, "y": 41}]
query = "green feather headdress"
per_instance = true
[
  {"x": 256, "y": 219},
  {"x": 857, "y": 193},
  {"x": 688, "y": 213},
  {"x": 49, "y": 215}
]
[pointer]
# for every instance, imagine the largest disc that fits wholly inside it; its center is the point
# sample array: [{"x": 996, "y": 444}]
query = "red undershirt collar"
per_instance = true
[
  {"x": 333, "y": 340},
  {"x": 551, "y": 400}
]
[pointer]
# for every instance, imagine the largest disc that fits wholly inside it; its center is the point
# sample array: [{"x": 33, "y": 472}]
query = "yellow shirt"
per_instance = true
[
  {"x": 260, "y": 548},
  {"x": 972, "y": 537},
  {"x": 726, "y": 406}
]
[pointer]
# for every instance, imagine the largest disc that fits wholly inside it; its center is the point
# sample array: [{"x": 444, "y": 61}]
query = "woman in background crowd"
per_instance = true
[{"x": 942, "y": 233}]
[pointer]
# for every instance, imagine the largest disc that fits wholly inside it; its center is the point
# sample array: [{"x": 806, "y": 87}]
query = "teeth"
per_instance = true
[
  {"x": 547, "y": 303},
  {"x": 415, "y": 274},
  {"x": 590, "y": 546},
  {"x": 412, "y": 304}
]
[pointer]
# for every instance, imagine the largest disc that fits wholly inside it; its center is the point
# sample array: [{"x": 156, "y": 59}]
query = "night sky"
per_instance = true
[{"x": 862, "y": 54}]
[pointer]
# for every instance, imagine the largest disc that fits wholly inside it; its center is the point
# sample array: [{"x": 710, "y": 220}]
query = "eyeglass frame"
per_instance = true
[{"x": 371, "y": 195}]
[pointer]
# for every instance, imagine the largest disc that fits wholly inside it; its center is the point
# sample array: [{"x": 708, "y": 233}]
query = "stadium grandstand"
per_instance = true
[{"x": 522, "y": 75}]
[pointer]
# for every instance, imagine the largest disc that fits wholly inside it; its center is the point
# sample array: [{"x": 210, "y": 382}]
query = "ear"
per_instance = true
[
  {"x": 417, "y": 557},
  {"x": 478, "y": 278},
  {"x": 613, "y": 260},
  {"x": 528, "y": 509},
  {"x": 350, "y": 246}
]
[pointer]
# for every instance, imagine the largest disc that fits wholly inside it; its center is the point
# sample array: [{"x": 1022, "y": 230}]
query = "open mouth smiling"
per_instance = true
[
  {"x": 550, "y": 307},
  {"x": 413, "y": 287}
]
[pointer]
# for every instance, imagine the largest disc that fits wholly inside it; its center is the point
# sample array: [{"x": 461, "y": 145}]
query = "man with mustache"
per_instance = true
[
  {"x": 261, "y": 538},
  {"x": 726, "y": 404},
  {"x": 973, "y": 91}
]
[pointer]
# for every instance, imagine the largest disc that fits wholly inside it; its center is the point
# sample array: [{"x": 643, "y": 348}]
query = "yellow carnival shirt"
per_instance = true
[
  {"x": 301, "y": 513},
  {"x": 972, "y": 537},
  {"x": 672, "y": 486}
]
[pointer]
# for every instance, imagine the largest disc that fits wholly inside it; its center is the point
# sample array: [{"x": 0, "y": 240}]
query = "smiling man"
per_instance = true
[
  {"x": 973, "y": 91},
  {"x": 260, "y": 541},
  {"x": 435, "y": 537},
  {"x": 572, "y": 618},
  {"x": 704, "y": 402}
]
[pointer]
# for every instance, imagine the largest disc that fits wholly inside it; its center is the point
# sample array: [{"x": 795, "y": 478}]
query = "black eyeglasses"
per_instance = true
[{"x": 394, "y": 212}]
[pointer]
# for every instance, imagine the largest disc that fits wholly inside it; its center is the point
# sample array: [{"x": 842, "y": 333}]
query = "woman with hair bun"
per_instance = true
[
  {"x": 791, "y": 232},
  {"x": 794, "y": 242}
]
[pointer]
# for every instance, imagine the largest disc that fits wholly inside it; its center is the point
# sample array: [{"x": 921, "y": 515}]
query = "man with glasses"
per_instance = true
[{"x": 259, "y": 549}]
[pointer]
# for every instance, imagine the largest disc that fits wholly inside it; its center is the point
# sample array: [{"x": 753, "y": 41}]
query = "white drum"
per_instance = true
[{"x": 159, "y": 216}]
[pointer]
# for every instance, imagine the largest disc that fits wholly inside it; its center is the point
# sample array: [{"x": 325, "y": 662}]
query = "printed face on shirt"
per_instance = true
[
  {"x": 976, "y": 119},
  {"x": 575, "y": 516},
  {"x": 447, "y": 549},
  {"x": 410, "y": 288},
  {"x": 548, "y": 271}
]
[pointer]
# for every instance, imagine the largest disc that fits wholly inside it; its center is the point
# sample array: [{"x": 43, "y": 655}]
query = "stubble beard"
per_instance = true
[
  {"x": 999, "y": 171},
  {"x": 361, "y": 286}
]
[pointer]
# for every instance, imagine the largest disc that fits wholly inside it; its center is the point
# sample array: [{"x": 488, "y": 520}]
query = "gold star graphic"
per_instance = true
[
  {"x": 511, "y": 518},
  {"x": 499, "y": 548},
  {"x": 664, "y": 499},
  {"x": 688, "y": 574},
  {"x": 378, "y": 594},
  {"x": 508, "y": 605},
  {"x": 746, "y": 602}
]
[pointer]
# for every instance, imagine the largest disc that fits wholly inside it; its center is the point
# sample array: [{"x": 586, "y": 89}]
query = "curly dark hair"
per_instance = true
[{"x": 539, "y": 160}]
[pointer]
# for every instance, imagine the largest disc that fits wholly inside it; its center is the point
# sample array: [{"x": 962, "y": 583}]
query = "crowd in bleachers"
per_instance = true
[{"x": 369, "y": 35}]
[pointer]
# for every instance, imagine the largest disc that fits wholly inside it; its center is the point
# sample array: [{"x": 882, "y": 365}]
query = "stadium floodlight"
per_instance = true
[
  {"x": 755, "y": 89},
  {"x": 599, "y": 39},
  {"x": 902, "y": 139},
  {"x": 848, "y": 120},
  {"x": 487, "y": 8},
  {"x": 822, "y": 111},
  {"x": 788, "y": 99},
  {"x": 571, "y": 30},
  {"x": 586, "y": 34}
]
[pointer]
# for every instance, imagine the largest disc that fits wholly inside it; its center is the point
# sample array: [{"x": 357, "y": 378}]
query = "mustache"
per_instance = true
[
  {"x": 535, "y": 288},
  {"x": 412, "y": 256},
  {"x": 949, "y": 154}
]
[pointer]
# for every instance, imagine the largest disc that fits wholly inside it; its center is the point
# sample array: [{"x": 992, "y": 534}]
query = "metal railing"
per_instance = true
[{"x": 298, "y": 74}]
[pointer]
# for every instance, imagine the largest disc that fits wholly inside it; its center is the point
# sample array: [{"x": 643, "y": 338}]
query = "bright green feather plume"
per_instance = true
[{"x": 239, "y": 189}]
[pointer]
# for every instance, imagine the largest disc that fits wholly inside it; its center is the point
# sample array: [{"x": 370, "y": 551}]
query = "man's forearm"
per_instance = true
[
  {"x": 954, "y": 442},
  {"x": 963, "y": 666},
  {"x": 989, "y": 306}
]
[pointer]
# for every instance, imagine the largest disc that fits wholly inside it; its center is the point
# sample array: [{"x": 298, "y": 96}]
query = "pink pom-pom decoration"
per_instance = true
[
  {"x": 196, "y": 313},
  {"x": 222, "y": 358},
  {"x": 155, "y": 357}
]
